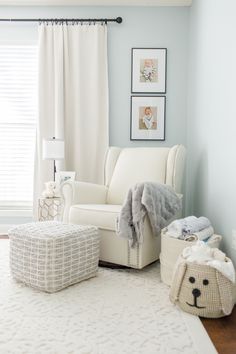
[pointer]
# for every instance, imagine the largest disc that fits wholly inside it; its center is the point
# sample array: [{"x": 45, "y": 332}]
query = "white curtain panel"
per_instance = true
[{"x": 73, "y": 99}]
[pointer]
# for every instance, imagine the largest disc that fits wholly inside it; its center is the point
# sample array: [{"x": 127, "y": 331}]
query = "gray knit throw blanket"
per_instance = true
[{"x": 158, "y": 201}]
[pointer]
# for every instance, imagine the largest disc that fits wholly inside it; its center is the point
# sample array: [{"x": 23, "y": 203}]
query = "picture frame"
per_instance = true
[
  {"x": 147, "y": 117},
  {"x": 148, "y": 70},
  {"x": 63, "y": 176}
]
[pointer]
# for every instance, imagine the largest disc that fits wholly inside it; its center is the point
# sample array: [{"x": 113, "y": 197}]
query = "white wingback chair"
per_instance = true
[{"x": 99, "y": 205}]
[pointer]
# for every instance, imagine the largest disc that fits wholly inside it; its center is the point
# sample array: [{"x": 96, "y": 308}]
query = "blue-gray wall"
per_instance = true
[
  {"x": 141, "y": 27},
  {"x": 211, "y": 127},
  {"x": 207, "y": 36}
]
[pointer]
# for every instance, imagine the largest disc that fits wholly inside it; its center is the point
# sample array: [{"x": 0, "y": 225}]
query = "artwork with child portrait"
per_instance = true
[
  {"x": 148, "y": 70},
  {"x": 148, "y": 117}
]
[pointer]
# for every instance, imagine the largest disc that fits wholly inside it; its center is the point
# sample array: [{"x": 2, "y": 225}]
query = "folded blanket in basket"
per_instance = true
[
  {"x": 158, "y": 201},
  {"x": 200, "y": 227},
  {"x": 204, "y": 234}
]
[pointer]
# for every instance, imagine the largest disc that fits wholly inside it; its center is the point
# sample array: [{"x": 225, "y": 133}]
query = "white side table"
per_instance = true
[{"x": 50, "y": 209}]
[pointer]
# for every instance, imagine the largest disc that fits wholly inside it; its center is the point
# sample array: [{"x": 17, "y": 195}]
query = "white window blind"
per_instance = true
[{"x": 18, "y": 107}]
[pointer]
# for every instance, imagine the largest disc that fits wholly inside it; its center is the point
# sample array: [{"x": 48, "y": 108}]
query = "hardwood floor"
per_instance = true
[{"x": 222, "y": 331}]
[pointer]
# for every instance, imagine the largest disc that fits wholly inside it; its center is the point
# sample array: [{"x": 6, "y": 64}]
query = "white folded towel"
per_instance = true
[{"x": 203, "y": 254}]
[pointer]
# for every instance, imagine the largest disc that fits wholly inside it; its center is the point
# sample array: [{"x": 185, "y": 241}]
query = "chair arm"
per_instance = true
[{"x": 81, "y": 193}]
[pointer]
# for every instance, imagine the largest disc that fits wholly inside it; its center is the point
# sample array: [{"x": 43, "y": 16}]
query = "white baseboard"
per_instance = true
[{"x": 4, "y": 228}]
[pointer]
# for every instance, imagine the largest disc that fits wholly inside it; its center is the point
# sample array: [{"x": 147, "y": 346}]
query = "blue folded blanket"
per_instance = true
[
  {"x": 189, "y": 226},
  {"x": 192, "y": 224}
]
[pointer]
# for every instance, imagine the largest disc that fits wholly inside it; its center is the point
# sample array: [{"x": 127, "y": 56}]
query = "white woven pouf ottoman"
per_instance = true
[{"x": 50, "y": 256}]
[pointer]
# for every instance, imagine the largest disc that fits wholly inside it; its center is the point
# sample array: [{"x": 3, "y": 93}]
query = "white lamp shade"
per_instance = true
[{"x": 53, "y": 149}]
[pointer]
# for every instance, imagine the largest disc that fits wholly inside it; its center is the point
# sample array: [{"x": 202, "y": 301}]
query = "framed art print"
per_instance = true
[
  {"x": 147, "y": 116},
  {"x": 148, "y": 70}
]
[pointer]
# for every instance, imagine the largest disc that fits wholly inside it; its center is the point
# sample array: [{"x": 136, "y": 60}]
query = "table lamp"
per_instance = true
[{"x": 53, "y": 149}]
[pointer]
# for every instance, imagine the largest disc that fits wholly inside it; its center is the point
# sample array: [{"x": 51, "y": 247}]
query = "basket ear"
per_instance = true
[
  {"x": 234, "y": 293},
  {"x": 226, "y": 293},
  {"x": 177, "y": 281}
]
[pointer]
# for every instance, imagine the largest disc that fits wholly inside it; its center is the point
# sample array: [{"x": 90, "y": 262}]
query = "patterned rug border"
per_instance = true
[{"x": 199, "y": 334}]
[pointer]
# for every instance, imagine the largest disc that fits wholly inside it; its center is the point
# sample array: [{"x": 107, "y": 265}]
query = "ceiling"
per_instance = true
[{"x": 95, "y": 2}]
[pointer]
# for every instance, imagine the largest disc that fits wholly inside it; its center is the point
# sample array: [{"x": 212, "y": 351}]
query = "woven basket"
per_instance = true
[
  {"x": 171, "y": 249},
  {"x": 203, "y": 291}
]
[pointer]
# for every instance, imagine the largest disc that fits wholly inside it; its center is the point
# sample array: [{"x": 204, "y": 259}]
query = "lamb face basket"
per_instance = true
[{"x": 202, "y": 290}]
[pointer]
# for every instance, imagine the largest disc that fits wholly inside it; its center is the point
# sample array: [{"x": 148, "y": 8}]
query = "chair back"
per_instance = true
[{"x": 128, "y": 166}]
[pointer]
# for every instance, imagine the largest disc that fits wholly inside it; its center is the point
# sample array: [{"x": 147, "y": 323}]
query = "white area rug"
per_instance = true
[{"x": 117, "y": 312}]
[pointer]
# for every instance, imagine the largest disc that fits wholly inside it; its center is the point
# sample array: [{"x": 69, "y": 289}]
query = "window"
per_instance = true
[{"x": 18, "y": 109}]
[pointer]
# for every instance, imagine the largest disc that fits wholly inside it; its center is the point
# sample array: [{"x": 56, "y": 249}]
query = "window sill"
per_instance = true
[{"x": 16, "y": 213}]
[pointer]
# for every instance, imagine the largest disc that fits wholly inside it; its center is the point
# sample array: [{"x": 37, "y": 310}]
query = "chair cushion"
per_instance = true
[
  {"x": 136, "y": 165},
  {"x": 100, "y": 215}
]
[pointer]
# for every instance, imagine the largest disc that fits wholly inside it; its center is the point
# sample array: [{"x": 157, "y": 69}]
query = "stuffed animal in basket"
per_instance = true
[
  {"x": 204, "y": 282},
  {"x": 51, "y": 190}
]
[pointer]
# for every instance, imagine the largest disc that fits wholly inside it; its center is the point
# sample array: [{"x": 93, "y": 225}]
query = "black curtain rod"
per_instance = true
[{"x": 105, "y": 20}]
